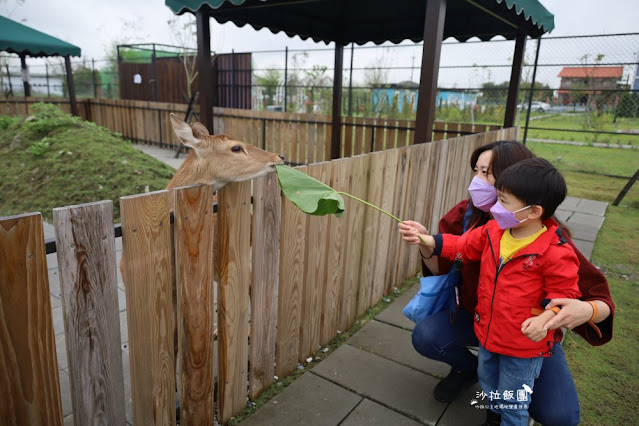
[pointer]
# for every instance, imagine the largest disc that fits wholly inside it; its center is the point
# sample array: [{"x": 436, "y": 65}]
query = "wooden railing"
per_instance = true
[
  {"x": 302, "y": 279},
  {"x": 301, "y": 138}
]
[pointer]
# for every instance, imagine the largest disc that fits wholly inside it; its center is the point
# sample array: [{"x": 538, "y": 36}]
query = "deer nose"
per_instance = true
[{"x": 282, "y": 157}]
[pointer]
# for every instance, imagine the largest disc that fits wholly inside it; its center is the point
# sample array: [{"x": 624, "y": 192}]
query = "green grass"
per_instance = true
[
  {"x": 53, "y": 159},
  {"x": 577, "y": 121}
]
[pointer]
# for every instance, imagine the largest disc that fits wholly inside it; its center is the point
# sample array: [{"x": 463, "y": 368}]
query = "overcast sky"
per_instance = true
[{"x": 94, "y": 24}]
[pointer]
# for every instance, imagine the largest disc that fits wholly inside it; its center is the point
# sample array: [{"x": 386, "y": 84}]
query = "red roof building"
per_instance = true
[{"x": 588, "y": 79}]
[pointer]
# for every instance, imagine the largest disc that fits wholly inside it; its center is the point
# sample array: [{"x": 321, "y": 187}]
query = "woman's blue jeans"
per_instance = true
[{"x": 555, "y": 401}]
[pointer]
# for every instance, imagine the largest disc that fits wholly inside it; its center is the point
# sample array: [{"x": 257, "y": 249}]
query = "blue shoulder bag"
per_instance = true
[{"x": 438, "y": 292}]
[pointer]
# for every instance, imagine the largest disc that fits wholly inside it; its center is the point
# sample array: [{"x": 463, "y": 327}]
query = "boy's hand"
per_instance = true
[
  {"x": 533, "y": 327},
  {"x": 410, "y": 231}
]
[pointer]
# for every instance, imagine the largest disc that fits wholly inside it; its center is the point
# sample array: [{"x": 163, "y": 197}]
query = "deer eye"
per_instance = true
[{"x": 236, "y": 148}]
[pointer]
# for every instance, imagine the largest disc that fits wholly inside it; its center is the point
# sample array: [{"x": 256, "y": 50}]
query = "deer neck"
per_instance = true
[{"x": 188, "y": 174}]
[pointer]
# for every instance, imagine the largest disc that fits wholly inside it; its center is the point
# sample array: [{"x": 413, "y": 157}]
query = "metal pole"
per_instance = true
[
  {"x": 433, "y": 36},
  {"x": 532, "y": 88},
  {"x": 205, "y": 76},
  {"x": 350, "y": 84},
  {"x": 336, "y": 143},
  {"x": 25, "y": 76},
  {"x": 154, "y": 67},
  {"x": 515, "y": 77},
  {"x": 46, "y": 70},
  {"x": 285, "y": 77},
  {"x": 233, "y": 79},
  {"x": 95, "y": 84},
  {"x": 74, "y": 105}
]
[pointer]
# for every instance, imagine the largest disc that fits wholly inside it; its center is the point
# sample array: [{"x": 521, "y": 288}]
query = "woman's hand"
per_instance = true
[
  {"x": 410, "y": 231},
  {"x": 573, "y": 312}
]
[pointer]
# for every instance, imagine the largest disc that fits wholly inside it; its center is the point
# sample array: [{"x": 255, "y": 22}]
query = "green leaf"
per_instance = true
[{"x": 308, "y": 194}]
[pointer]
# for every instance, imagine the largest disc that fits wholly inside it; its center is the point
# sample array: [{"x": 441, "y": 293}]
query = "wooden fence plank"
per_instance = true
[
  {"x": 293, "y": 241},
  {"x": 85, "y": 242},
  {"x": 29, "y": 389},
  {"x": 147, "y": 255},
  {"x": 359, "y": 167},
  {"x": 194, "y": 270},
  {"x": 266, "y": 264},
  {"x": 234, "y": 216},
  {"x": 395, "y": 244},
  {"x": 336, "y": 258},
  {"x": 371, "y": 220},
  {"x": 314, "y": 273},
  {"x": 386, "y": 226}
]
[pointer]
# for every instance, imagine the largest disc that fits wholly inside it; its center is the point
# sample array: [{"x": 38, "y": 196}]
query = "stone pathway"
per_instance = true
[{"x": 376, "y": 378}]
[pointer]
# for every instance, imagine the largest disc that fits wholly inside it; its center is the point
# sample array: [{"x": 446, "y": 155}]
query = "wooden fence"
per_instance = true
[
  {"x": 301, "y": 138},
  {"x": 302, "y": 279}
]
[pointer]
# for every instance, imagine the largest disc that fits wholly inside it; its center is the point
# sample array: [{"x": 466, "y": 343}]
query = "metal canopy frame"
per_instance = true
[{"x": 434, "y": 20}]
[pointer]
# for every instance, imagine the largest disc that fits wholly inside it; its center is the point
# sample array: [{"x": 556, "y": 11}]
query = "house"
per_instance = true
[{"x": 576, "y": 80}]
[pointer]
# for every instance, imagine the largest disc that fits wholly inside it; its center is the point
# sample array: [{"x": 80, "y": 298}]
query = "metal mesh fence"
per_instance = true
[{"x": 585, "y": 87}]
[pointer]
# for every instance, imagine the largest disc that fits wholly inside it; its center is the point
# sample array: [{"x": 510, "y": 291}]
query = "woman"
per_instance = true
[{"x": 435, "y": 337}]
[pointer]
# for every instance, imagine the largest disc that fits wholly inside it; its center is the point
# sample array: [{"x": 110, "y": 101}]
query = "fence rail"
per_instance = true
[
  {"x": 302, "y": 279},
  {"x": 301, "y": 138}
]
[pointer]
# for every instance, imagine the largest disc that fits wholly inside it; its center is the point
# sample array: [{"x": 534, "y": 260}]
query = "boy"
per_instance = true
[{"x": 523, "y": 262}]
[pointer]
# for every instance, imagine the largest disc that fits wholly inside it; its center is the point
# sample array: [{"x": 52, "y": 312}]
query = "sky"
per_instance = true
[{"x": 95, "y": 25}]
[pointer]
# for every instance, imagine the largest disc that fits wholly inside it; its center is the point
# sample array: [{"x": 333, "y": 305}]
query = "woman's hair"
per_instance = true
[{"x": 505, "y": 153}]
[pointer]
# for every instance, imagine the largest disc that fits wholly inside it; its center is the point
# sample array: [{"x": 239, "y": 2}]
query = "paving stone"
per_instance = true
[
  {"x": 395, "y": 344},
  {"x": 54, "y": 283},
  {"x": 583, "y": 232},
  {"x": 61, "y": 351},
  {"x": 58, "y": 321},
  {"x": 393, "y": 313},
  {"x": 585, "y": 247},
  {"x": 563, "y": 215},
  {"x": 309, "y": 400},
  {"x": 126, "y": 371},
  {"x": 68, "y": 420},
  {"x": 52, "y": 260},
  {"x": 461, "y": 412},
  {"x": 398, "y": 387},
  {"x": 121, "y": 300},
  {"x": 55, "y": 302},
  {"x": 570, "y": 203},
  {"x": 65, "y": 393},
  {"x": 369, "y": 413},
  {"x": 124, "y": 330},
  {"x": 587, "y": 219},
  {"x": 592, "y": 207}
]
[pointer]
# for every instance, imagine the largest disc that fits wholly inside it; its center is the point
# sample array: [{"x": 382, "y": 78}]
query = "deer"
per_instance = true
[{"x": 215, "y": 160}]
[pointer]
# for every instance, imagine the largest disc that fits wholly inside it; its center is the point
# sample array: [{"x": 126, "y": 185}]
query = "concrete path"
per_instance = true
[{"x": 376, "y": 378}]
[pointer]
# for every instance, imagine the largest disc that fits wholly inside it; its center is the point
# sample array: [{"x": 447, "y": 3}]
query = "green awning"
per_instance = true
[
  {"x": 362, "y": 21},
  {"x": 20, "y": 39}
]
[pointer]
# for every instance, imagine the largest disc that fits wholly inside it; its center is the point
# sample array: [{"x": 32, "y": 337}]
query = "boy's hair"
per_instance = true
[{"x": 534, "y": 181}]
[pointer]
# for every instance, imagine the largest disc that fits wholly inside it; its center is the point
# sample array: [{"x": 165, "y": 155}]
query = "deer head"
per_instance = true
[{"x": 218, "y": 159}]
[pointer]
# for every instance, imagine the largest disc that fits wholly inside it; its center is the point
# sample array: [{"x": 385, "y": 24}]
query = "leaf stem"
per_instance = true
[{"x": 370, "y": 205}]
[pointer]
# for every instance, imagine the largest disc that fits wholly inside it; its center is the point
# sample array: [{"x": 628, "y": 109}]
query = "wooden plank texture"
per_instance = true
[
  {"x": 234, "y": 217},
  {"x": 194, "y": 267},
  {"x": 29, "y": 389},
  {"x": 264, "y": 285},
  {"x": 147, "y": 254},
  {"x": 85, "y": 243},
  {"x": 293, "y": 242}
]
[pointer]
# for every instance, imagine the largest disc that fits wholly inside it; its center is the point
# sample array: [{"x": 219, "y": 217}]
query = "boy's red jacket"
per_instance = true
[{"x": 546, "y": 269}]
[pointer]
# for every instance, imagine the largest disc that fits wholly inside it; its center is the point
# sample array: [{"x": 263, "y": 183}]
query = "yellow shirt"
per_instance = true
[{"x": 510, "y": 245}]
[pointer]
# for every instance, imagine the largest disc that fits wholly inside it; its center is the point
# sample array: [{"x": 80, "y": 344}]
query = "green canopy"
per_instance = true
[
  {"x": 361, "y": 21},
  {"x": 23, "y": 40}
]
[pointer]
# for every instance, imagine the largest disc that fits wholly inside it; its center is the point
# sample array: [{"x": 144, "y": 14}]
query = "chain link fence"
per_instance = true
[{"x": 585, "y": 87}]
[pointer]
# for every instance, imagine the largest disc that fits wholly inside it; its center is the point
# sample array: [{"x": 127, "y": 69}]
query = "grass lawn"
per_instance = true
[
  {"x": 53, "y": 159},
  {"x": 607, "y": 377},
  {"x": 576, "y": 121}
]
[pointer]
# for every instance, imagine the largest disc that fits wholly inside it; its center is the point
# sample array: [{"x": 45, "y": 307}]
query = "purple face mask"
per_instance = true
[
  {"x": 482, "y": 193},
  {"x": 504, "y": 217}
]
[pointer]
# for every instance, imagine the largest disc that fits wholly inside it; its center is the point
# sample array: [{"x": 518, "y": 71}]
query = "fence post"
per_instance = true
[
  {"x": 95, "y": 85},
  {"x": 46, "y": 71},
  {"x": 233, "y": 97},
  {"x": 285, "y": 77},
  {"x": 350, "y": 83},
  {"x": 29, "y": 376},
  {"x": 532, "y": 89}
]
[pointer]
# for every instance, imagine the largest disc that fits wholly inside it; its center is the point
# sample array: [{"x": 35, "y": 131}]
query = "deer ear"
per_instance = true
[
  {"x": 199, "y": 129},
  {"x": 185, "y": 133}
]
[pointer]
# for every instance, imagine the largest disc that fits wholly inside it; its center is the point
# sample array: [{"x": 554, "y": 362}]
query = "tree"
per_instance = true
[
  {"x": 184, "y": 34},
  {"x": 269, "y": 80}
]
